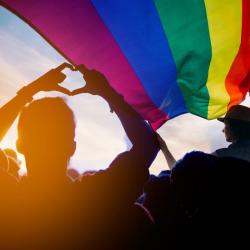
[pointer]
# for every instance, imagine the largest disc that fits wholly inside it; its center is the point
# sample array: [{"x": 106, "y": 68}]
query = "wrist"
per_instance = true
[
  {"x": 27, "y": 92},
  {"x": 108, "y": 93},
  {"x": 114, "y": 99}
]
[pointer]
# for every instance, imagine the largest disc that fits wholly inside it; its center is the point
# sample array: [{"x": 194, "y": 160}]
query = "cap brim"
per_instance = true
[{"x": 221, "y": 119}]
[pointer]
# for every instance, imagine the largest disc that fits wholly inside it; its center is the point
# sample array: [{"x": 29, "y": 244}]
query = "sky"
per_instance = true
[{"x": 25, "y": 55}]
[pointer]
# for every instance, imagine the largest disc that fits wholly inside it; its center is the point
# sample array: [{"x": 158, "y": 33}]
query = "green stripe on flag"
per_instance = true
[{"x": 186, "y": 27}]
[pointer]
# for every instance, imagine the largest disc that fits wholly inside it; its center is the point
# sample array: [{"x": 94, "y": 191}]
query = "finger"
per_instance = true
[
  {"x": 60, "y": 78},
  {"x": 82, "y": 68},
  {"x": 62, "y": 90},
  {"x": 51, "y": 75},
  {"x": 63, "y": 66},
  {"x": 54, "y": 76},
  {"x": 78, "y": 91}
]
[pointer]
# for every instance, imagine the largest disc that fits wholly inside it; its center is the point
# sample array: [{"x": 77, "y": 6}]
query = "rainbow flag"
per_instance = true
[{"x": 166, "y": 57}]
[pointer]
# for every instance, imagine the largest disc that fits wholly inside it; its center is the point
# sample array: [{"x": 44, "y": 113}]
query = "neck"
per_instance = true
[
  {"x": 47, "y": 171},
  {"x": 234, "y": 140}
]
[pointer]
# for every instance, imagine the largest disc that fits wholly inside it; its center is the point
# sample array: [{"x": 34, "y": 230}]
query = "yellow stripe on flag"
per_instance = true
[{"x": 224, "y": 21}]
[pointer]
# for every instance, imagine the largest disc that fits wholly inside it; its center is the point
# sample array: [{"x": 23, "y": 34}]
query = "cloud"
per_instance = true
[{"x": 99, "y": 133}]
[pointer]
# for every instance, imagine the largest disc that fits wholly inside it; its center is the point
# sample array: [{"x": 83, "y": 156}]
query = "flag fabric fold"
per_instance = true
[{"x": 165, "y": 57}]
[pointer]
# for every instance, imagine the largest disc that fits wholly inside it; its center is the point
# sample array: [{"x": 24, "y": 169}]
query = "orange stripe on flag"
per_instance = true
[{"x": 238, "y": 78}]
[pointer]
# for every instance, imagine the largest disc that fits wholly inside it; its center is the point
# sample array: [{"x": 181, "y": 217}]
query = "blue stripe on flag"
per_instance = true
[{"x": 136, "y": 27}]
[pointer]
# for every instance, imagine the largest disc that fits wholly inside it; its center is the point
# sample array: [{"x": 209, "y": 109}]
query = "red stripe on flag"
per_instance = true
[{"x": 238, "y": 80}]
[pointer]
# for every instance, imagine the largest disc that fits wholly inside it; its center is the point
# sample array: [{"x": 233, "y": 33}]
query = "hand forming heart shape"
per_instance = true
[{"x": 96, "y": 83}]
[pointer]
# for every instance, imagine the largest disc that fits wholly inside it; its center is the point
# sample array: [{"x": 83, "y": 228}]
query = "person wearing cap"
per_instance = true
[{"x": 237, "y": 131}]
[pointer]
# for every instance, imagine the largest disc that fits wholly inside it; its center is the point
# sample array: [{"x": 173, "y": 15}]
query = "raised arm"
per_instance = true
[
  {"x": 138, "y": 130},
  {"x": 124, "y": 179},
  {"x": 47, "y": 82},
  {"x": 167, "y": 154}
]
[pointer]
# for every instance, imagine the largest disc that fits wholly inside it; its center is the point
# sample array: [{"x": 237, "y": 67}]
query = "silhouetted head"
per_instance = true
[
  {"x": 237, "y": 123},
  {"x": 236, "y": 130},
  {"x": 46, "y": 132},
  {"x": 188, "y": 177}
]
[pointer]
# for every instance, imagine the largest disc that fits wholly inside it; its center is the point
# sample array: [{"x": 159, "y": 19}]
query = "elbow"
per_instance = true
[{"x": 148, "y": 149}]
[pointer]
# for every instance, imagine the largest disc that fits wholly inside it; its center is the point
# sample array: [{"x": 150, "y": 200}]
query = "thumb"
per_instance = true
[
  {"x": 53, "y": 76},
  {"x": 61, "y": 77},
  {"x": 62, "y": 90},
  {"x": 82, "y": 68},
  {"x": 79, "y": 91}
]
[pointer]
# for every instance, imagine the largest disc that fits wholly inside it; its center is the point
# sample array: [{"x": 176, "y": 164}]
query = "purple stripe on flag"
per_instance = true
[{"x": 75, "y": 29}]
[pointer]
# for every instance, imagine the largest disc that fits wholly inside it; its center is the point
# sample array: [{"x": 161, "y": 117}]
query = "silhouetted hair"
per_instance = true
[
  {"x": 192, "y": 167},
  {"x": 47, "y": 122},
  {"x": 189, "y": 174},
  {"x": 239, "y": 128}
]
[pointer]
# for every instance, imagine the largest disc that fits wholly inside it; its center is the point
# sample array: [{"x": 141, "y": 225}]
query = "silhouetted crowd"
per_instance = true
[{"x": 202, "y": 202}]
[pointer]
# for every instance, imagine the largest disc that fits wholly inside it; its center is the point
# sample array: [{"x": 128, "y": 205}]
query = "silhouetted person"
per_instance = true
[
  {"x": 237, "y": 131},
  {"x": 173, "y": 197},
  {"x": 216, "y": 207},
  {"x": 12, "y": 203},
  {"x": 98, "y": 211},
  {"x": 205, "y": 201}
]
